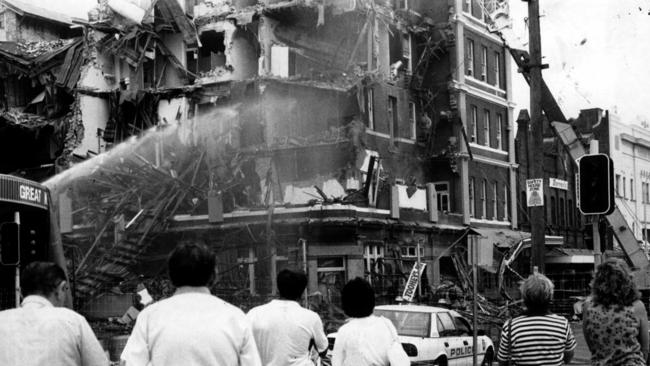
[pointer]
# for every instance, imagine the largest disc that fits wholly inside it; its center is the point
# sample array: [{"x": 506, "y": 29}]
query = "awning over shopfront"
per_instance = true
[
  {"x": 570, "y": 256},
  {"x": 501, "y": 237}
]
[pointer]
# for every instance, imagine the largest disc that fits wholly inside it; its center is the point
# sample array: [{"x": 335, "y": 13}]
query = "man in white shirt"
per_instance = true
[
  {"x": 42, "y": 331},
  {"x": 284, "y": 331},
  {"x": 193, "y": 327}
]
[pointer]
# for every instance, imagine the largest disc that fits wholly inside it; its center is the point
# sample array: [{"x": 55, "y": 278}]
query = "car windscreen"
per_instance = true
[{"x": 408, "y": 323}]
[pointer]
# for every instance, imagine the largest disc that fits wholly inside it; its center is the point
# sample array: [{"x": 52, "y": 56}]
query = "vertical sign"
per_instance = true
[
  {"x": 534, "y": 192},
  {"x": 413, "y": 282}
]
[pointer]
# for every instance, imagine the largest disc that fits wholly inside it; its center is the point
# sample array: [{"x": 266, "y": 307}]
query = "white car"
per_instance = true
[{"x": 433, "y": 336}]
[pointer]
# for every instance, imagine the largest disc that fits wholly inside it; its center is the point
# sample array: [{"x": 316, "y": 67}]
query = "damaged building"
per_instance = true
[{"x": 343, "y": 137}]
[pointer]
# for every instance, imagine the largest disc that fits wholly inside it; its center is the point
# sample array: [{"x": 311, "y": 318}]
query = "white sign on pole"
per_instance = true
[
  {"x": 534, "y": 192},
  {"x": 481, "y": 251},
  {"x": 558, "y": 183},
  {"x": 413, "y": 282}
]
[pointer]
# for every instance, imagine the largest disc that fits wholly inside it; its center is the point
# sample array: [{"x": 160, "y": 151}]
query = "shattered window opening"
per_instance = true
[
  {"x": 212, "y": 53},
  {"x": 406, "y": 52},
  {"x": 442, "y": 191},
  {"x": 370, "y": 101}
]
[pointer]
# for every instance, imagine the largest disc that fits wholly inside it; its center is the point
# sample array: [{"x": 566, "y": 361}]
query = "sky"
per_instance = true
[{"x": 596, "y": 51}]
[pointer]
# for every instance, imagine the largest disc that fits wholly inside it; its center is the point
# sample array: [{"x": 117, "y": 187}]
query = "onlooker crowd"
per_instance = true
[{"x": 193, "y": 327}]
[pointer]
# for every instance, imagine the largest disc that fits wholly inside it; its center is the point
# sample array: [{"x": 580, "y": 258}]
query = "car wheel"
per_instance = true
[
  {"x": 441, "y": 361},
  {"x": 488, "y": 359}
]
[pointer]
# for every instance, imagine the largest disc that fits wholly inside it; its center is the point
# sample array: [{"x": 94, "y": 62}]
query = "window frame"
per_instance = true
[
  {"x": 499, "y": 133},
  {"x": 484, "y": 199},
  {"x": 486, "y": 128},
  {"x": 472, "y": 198},
  {"x": 413, "y": 120},
  {"x": 484, "y": 63},
  {"x": 495, "y": 196},
  {"x": 497, "y": 69},
  {"x": 474, "y": 132},
  {"x": 469, "y": 58}
]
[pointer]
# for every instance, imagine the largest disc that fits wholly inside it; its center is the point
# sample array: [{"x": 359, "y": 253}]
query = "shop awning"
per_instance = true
[
  {"x": 501, "y": 237},
  {"x": 570, "y": 256}
]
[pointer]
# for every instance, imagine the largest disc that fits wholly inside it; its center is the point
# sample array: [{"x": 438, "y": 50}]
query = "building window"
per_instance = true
[
  {"x": 497, "y": 70},
  {"x": 484, "y": 199},
  {"x": 562, "y": 218},
  {"x": 370, "y": 107},
  {"x": 506, "y": 207},
  {"x": 2, "y": 20},
  {"x": 411, "y": 251},
  {"x": 486, "y": 127},
  {"x": 624, "y": 190},
  {"x": 442, "y": 191},
  {"x": 372, "y": 256},
  {"x": 331, "y": 273},
  {"x": 484, "y": 66},
  {"x": 467, "y": 6},
  {"x": 645, "y": 191},
  {"x": 474, "y": 130},
  {"x": 495, "y": 214},
  {"x": 406, "y": 51},
  {"x": 631, "y": 189},
  {"x": 524, "y": 207},
  {"x": 412, "y": 119},
  {"x": 499, "y": 128},
  {"x": 617, "y": 185},
  {"x": 402, "y": 4},
  {"x": 392, "y": 117},
  {"x": 569, "y": 210},
  {"x": 472, "y": 211},
  {"x": 469, "y": 58}
]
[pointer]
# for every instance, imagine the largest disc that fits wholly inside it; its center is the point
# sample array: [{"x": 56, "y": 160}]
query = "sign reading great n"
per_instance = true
[
  {"x": 17, "y": 190},
  {"x": 534, "y": 192}
]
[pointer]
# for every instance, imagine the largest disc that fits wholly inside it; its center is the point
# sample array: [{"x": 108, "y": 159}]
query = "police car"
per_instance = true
[{"x": 433, "y": 336}]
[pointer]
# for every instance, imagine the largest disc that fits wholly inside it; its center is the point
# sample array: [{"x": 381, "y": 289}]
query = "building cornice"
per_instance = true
[{"x": 454, "y": 84}]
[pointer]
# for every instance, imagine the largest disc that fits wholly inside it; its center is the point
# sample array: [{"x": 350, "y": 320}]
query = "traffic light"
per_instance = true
[
  {"x": 9, "y": 244},
  {"x": 596, "y": 185}
]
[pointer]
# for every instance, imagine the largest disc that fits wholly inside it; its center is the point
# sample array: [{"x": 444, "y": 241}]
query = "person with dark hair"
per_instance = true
[
  {"x": 615, "y": 322},
  {"x": 284, "y": 331},
  {"x": 192, "y": 327},
  {"x": 365, "y": 339},
  {"x": 42, "y": 331},
  {"x": 537, "y": 337}
]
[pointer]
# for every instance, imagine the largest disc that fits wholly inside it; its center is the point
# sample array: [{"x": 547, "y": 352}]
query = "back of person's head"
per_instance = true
[
  {"x": 291, "y": 284},
  {"x": 191, "y": 265},
  {"x": 41, "y": 278},
  {"x": 613, "y": 284},
  {"x": 537, "y": 293},
  {"x": 358, "y": 298}
]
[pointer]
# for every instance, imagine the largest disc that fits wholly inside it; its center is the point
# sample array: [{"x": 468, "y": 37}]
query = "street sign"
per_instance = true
[
  {"x": 534, "y": 192},
  {"x": 413, "y": 282},
  {"x": 558, "y": 183}
]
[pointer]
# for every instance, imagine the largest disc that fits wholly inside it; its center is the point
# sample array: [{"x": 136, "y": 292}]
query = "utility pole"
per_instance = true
[{"x": 537, "y": 219}]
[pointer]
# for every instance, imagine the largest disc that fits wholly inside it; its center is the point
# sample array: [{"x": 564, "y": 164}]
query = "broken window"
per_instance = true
[
  {"x": 486, "y": 127},
  {"x": 442, "y": 192},
  {"x": 212, "y": 52},
  {"x": 474, "y": 127},
  {"x": 393, "y": 117},
  {"x": 412, "y": 120},
  {"x": 484, "y": 66},
  {"x": 283, "y": 61},
  {"x": 406, "y": 52},
  {"x": 499, "y": 126},
  {"x": 370, "y": 107},
  {"x": 469, "y": 58},
  {"x": 372, "y": 257},
  {"x": 472, "y": 212}
]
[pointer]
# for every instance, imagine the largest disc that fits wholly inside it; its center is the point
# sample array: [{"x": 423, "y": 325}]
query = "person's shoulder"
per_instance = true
[{"x": 639, "y": 306}]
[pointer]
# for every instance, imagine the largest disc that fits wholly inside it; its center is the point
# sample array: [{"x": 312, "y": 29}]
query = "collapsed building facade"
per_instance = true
[{"x": 346, "y": 138}]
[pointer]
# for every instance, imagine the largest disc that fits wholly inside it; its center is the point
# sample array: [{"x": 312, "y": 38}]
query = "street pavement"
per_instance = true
[{"x": 581, "y": 355}]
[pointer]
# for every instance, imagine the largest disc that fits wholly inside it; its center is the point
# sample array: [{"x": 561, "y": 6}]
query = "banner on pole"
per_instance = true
[{"x": 534, "y": 192}]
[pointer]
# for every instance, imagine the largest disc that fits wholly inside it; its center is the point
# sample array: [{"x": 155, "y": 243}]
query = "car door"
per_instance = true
[
  {"x": 466, "y": 336},
  {"x": 453, "y": 344}
]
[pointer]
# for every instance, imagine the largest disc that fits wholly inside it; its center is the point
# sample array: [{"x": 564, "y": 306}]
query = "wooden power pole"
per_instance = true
[{"x": 536, "y": 125}]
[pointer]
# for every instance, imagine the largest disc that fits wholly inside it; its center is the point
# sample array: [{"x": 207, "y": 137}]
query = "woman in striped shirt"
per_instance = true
[{"x": 537, "y": 337}]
